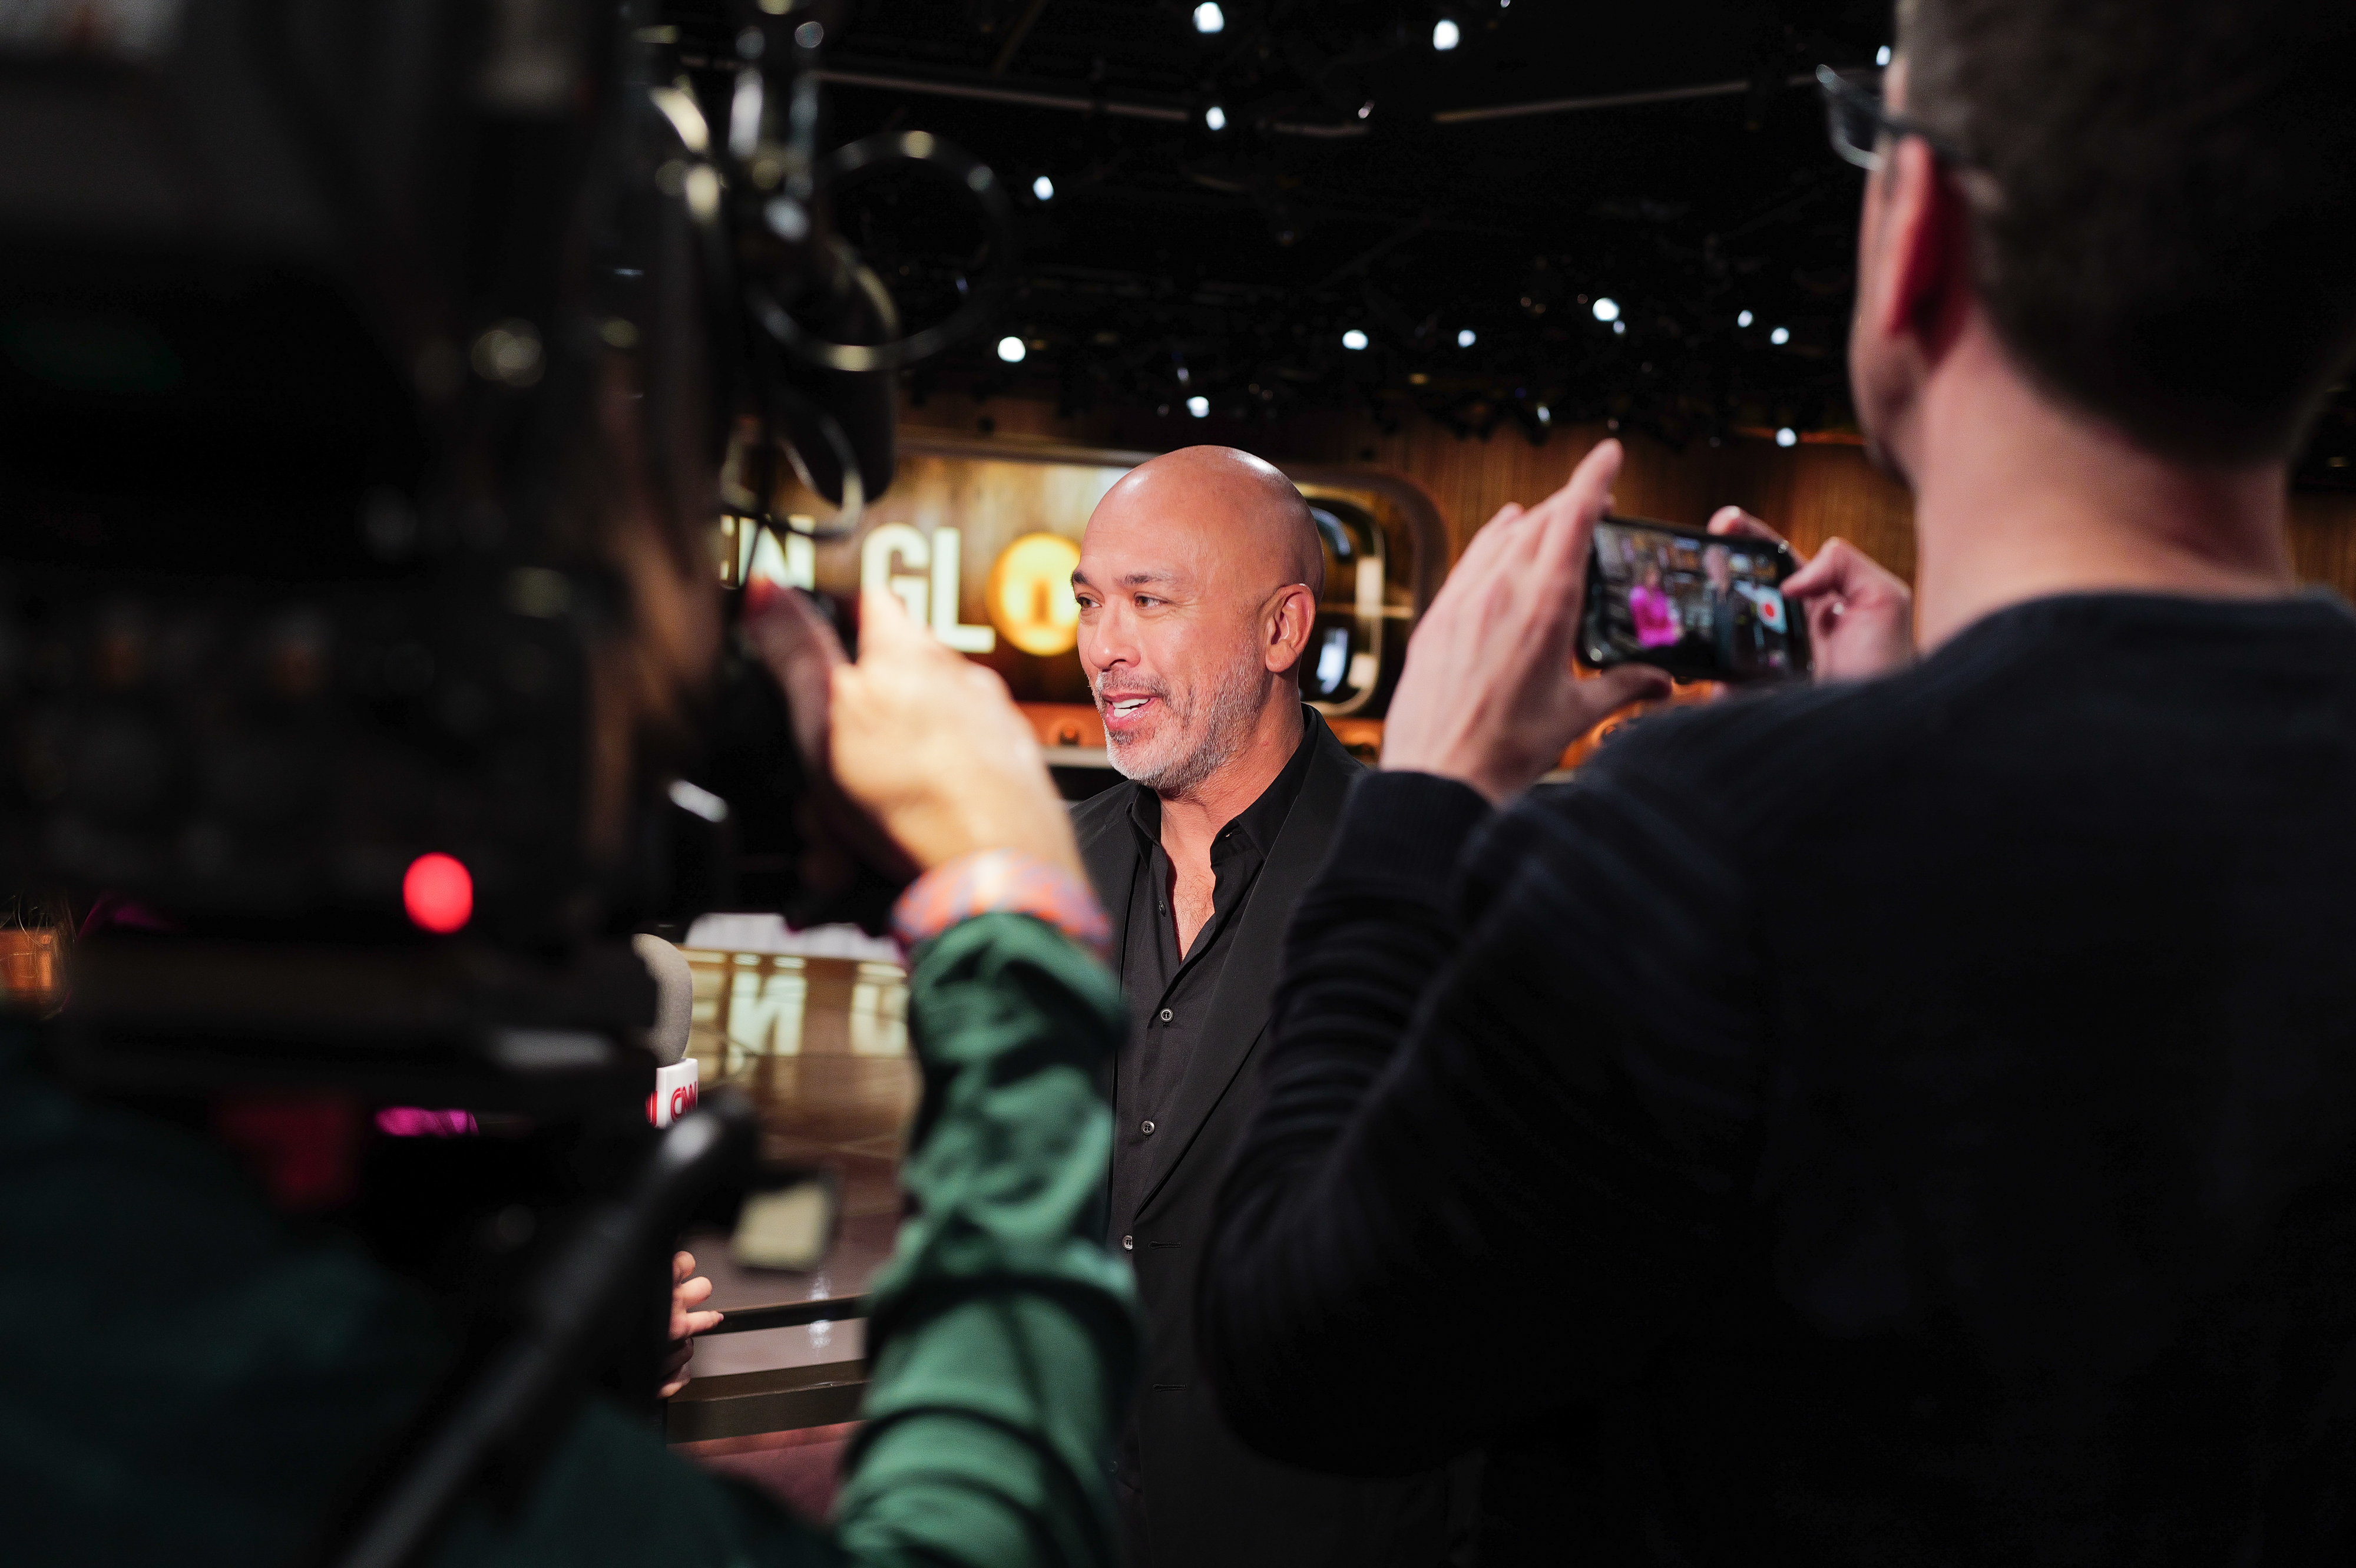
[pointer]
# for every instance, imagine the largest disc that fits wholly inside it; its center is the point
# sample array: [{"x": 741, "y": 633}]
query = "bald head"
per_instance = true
[
  {"x": 1249, "y": 515},
  {"x": 1198, "y": 584}
]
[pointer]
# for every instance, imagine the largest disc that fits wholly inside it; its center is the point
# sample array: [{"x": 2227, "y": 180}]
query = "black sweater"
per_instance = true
[{"x": 1908, "y": 1123}]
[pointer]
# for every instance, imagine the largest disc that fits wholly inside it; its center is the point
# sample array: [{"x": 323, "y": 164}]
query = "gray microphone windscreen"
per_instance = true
[{"x": 674, "y": 997}]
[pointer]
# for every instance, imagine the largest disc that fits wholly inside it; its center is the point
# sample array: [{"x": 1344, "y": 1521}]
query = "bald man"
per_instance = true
[{"x": 1198, "y": 584}]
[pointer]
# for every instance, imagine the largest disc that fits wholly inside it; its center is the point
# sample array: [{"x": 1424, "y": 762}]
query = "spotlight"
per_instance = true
[
  {"x": 1466, "y": 338},
  {"x": 1781, "y": 336},
  {"x": 1743, "y": 319},
  {"x": 1185, "y": 375},
  {"x": 1787, "y": 436},
  {"x": 1882, "y": 55},
  {"x": 1216, "y": 118},
  {"x": 1366, "y": 109},
  {"x": 1607, "y": 309},
  {"x": 1619, "y": 329},
  {"x": 1043, "y": 188},
  {"x": 1011, "y": 349},
  {"x": 1209, "y": 18},
  {"x": 1545, "y": 414},
  {"x": 1353, "y": 338},
  {"x": 1200, "y": 407},
  {"x": 1446, "y": 35}
]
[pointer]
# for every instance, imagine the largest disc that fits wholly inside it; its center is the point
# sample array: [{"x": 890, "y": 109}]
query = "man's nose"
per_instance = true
[{"x": 1108, "y": 638}]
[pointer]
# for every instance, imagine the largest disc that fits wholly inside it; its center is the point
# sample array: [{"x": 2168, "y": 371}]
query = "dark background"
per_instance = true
[{"x": 1241, "y": 258}]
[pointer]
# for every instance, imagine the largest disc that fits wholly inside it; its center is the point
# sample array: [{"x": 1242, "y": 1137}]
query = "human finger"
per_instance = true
[
  {"x": 1574, "y": 509},
  {"x": 887, "y": 634},
  {"x": 1733, "y": 521},
  {"x": 1840, "y": 568},
  {"x": 682, "y": 1265},
  {"x": 1497, "y": 536},
  {"x": 1610, "y": 690}
]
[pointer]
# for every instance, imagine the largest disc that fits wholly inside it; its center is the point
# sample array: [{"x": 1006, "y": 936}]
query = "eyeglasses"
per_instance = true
[{"x": 1855, "y": 115}]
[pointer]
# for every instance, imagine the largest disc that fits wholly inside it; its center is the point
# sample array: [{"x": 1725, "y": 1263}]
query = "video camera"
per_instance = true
[
  {"x": 366, "y": 376},
  {"x": 378, "y": 381}
]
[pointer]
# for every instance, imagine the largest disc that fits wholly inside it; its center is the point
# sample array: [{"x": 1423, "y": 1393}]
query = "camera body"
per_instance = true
[{"x": 367, "y": 375}]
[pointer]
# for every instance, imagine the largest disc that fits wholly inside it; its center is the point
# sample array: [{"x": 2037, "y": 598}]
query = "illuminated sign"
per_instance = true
[
  {"x": 979, "y": 539},
  {"x": 1029, "y": 594},
  {"x": 930, "y": 590}
]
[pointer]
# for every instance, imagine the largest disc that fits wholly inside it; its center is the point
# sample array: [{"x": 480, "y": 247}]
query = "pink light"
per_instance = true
[{"x": 438, "y": 893}]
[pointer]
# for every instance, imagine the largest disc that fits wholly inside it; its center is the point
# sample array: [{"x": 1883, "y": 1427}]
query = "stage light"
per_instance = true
[
  {"x": 1619, "y": 329},
  {"x": 1545, "y": 414},
  {"x": 1043, "y": 188},
  {"x": 1743, "y": 319},
  {"x": 1011, "y": 349},
  {"x": 1781, "y": 336},
  {"x": 1445, "y": 35},
  {"x": 1353, "y": 338},
  {"x": 1216, "y": 118},
  {"x": 1787, "y": 436},
  {"x": 1466, "y": 338},
  {"x": 1200, "y": 407},
  {"x": 438, "y": 893},
  {"x": 1882, "y": 57},
  {"x": 1209, "y": 18},
  {"x": 1607, "y": 309},
  {"x": 1366, "y": 109}
]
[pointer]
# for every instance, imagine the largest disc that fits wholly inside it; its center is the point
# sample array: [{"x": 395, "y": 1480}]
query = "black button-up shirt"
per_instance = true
[{"x": 1168, "y": 991}]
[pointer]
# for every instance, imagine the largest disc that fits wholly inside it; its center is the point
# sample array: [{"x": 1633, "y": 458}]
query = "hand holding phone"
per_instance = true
[
  {"x": 1488, "y": 695},
  {"x": 1859, "y": 614}
]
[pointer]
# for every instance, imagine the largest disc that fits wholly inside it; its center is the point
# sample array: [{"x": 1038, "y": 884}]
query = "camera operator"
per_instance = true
[
  {"x": 1911, "y": 1120},
  {"x": 228, "y": 1381}
]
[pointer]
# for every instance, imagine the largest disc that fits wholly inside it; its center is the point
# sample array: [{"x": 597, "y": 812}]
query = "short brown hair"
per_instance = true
[{"x": 2162, "y": 237}]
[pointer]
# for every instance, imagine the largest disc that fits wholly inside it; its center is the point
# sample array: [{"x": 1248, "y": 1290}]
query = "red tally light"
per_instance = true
[{"x": 438, "y": 893}]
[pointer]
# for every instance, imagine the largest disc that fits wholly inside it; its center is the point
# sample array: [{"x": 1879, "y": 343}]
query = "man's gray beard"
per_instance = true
[{"x": 1228, "y": 719}]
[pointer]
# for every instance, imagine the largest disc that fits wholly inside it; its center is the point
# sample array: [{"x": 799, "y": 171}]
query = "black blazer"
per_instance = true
[{"x": 1192, "y": 1496}]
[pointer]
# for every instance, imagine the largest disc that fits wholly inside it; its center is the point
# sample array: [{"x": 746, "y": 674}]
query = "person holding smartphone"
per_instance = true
[{"x": 1911, "y": 1118}]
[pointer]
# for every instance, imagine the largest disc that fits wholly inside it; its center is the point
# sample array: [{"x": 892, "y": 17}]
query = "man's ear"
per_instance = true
[
  {"x": 1925, "y": 289},
  {"x": 1290, "y": 619}
]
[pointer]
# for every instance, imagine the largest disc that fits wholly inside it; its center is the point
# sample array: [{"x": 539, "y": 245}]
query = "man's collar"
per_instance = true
[{"x": 1264, "y": 818}]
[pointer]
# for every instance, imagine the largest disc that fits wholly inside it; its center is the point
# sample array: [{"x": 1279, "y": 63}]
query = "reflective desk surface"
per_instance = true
[{"x": 820, "y": 1043}]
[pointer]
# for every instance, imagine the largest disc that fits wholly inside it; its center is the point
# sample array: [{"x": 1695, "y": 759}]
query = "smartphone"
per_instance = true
[{"x": 1701, "y": 605}]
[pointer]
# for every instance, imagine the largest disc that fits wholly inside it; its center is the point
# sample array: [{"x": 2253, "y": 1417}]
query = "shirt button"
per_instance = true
[
  {"x": 1165, "y": 1014},
  {"x": 1146, "y": 1128},
  {"x": 1128, "y": 1243}
]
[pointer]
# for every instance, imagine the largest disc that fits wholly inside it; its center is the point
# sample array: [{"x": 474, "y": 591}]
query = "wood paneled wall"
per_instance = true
[{"x": 1813, "y": 491}]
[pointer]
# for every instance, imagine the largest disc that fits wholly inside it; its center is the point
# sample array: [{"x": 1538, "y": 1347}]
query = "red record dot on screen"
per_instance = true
[{"x": 438, "y": 893}]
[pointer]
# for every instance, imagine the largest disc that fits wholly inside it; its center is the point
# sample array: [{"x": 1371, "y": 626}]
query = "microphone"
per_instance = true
[
  {"x": 674, "y": 998},
  {"x": 677, "y": 1088}
]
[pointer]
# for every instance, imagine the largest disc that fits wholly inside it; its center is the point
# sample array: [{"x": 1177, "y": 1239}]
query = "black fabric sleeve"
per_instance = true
[{"x": 1474, "y": 1117}]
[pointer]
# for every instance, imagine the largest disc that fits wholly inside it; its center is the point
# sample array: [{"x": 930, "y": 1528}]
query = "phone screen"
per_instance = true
[{"x": 1703, "y": 608}]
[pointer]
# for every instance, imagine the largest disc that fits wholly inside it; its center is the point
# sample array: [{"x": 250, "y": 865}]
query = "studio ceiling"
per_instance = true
[{"x": 1241, "y": 258}]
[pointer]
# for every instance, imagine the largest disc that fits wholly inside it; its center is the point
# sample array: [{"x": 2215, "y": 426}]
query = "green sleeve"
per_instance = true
[
  {"x": 1002, "y": 1339},
  {"x": 229, "y": 1409}
]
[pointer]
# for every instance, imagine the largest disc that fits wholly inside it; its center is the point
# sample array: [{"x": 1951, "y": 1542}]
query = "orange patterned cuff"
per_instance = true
[{"x": 1000, "y": 881}]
